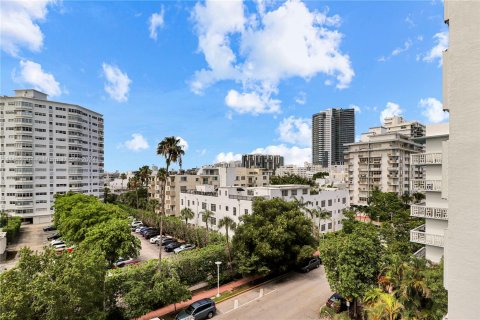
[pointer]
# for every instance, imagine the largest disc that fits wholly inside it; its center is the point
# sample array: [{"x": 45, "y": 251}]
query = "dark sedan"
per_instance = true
[
  {"x": 172, "y": 246},
  {"x": 54, "y": 236},
  {"x": 151, "y": 233},
  {"x": 49, "y": 228}
]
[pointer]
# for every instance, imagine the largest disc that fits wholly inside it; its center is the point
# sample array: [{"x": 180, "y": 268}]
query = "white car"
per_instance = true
[
  {"x": 57, "y": 242},
  {"x": 60, "y": 246},
  {"x": 184, "y": 247},
  {"x": 154, "y": 239},
  {"x": 136, "y": 223}
]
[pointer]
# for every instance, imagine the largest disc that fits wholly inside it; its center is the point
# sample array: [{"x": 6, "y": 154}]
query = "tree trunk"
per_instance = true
[
  {"x": 162, "y": 212},
  {"x": 229, "y": 250}
]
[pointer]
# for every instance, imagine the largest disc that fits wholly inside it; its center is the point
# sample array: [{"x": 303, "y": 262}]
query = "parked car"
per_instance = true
[
  {"x": 57, "y": 241},
  {"x": 184, "y": 247},
  {"x": 139, "y": 230},
  {"x": 155, "y": 238},
  {"x": 60, "y": 246},
  {"x": 167, "y": 241},
  {"x": 337, "y": 303},
  {"x": 136, "y": 223},
  {"x": 199, "y": 310},
  {"x": 49, "y": 228},
  {"x": 310, "y": 264},
  {"x": 151, "y": 233},
  {"x": 142, "y": 232},
  {"x": 172, "y": 246},
  {"x": 137, "y": 227},
  {"x": 123, "y": 263},
  {"x": 54, "y": 236}
]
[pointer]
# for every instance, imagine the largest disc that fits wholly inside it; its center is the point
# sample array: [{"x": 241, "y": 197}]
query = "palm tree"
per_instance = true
[
  {"x": 207, "y": 215},
  {"x": 386, "y": 306},
  {"x": 228, "y": 223},
  {"x": 133, "y": 184},
  {"x": 172, "y": 151},
  {"x": 406, "y": 199},
  {"x": 187, "y": 214},
  {"x": 106, "y": 193},
  {"x": 324, "y": 215},
  {"x": 123, "y": 176}
]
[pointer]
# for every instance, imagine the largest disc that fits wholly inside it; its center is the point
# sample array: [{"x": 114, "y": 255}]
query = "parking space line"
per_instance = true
[{"x": 259, "y": 297}]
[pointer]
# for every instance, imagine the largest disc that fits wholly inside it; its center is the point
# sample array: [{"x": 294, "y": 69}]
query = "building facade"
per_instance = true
[
  {"x": 435, "y": 207},
  {"x": 262, "y": 161},
  {"x": 381, "y": 159},
  {"x": 331, "y": 130},
  {"x": 235, "y": 202},
  {"x": 461, "y": 97},
  {"x": 47, "y": 148}
]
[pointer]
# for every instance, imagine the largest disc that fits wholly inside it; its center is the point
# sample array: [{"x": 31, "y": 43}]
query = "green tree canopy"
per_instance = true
[
  {"x": 272, "y": 237},
  {"x": 290, "y": 179}
]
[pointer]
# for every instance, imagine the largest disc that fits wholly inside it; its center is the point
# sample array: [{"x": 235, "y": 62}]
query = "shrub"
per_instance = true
[{"x": 12, "y": 228}]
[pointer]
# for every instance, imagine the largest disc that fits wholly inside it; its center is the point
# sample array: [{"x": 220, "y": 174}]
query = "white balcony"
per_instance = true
[
  {"x": 423, "y": 211},
  {"x": 418, "y": 235},
  {"x": 422, "y": 185},
  {"x": 420, "y": 253},
  {"x": 426, "y": 158}
]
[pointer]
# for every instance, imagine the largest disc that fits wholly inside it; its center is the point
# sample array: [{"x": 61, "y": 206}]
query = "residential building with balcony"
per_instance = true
[
  {"x": 435, "y": 207},
  {"x": 381, "y": 159},
  {"x": 262, "y": 161},
  {"x": 235, "y": 202},
  {"x": 461, "y": 97},
  {"x": 47, "y": 148}
]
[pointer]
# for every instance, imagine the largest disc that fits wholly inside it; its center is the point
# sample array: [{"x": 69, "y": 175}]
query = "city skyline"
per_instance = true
[{"x": 149, "y": 85}]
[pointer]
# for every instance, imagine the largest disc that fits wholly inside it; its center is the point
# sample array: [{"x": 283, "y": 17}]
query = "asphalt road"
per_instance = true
[
  {"x": 298, "y": 296},
  {"x": 149, "y": 250}
]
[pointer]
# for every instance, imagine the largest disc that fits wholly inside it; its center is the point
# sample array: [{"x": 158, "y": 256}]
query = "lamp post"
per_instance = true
[{"x": 218, "y": 263}]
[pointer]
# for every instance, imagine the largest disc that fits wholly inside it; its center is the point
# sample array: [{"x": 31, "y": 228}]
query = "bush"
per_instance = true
[{"x": 12, "y": 228}]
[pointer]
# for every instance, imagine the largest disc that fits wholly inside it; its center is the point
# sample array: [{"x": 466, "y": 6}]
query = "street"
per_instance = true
[{"x": 298, "y": 296}]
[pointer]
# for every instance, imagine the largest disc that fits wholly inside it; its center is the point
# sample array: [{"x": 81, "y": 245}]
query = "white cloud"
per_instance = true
[
  {"x": 137, "y": 143},
  {"x": 32, "y": 73},
  {"x": 202, "y": 152},
  {"x": 409, "y": 21},
  {"x": 228, "y": 156},
  {"x": 156, "y": 21},
  {"x": 288, "y": 41},
  {"x": 292, "y": 155},
  {"x": 406, "y": 46},
  {"x": 118, "y": 82},
  {"x": 391, "y": 109},
  {"x": 301, "y": 98},
  {"x": 433, "y": 110},
  {"x": 19, "y": 27},
  {"x": 251, "y": 103},
  {"x": 183, "y": 143},
  {"x": 295, "y": 130},
  {"x": 441, "y": 44},
  {"x": 356, "y": 108}
]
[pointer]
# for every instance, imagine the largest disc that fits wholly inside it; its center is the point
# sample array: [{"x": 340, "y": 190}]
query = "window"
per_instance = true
[
  {"x": 305, "y": 191},
  {"x": 329, "y": 225},
  {"x": 226, "y": 208},
  {"x": 246, "y": 211},
  {"x": 204, "y": 205},
  {"x": 322, "y": 227},
  {"x": 181, "y": 202},
  {"x": 213, "y": 207},
  {"x": 329, "y": 202},
  {"x": 294, "y": 192},
  {"x": 213, "y": 221},
  {"x": 323, "y": 203},
  {"x": 234, "y": 211},
  {"x": 188, "y": 203},
  {"x": 284, "y": 193},
  {"x": 344, "y": 200}
]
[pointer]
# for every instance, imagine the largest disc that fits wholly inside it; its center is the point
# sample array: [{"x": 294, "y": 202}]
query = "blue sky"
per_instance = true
[{"x": 226, "y": 77}]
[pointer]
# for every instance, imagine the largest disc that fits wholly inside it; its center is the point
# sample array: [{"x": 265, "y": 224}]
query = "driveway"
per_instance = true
[
  {"x": 149, "y": 250},
  {"x": 298, "y": 296}
]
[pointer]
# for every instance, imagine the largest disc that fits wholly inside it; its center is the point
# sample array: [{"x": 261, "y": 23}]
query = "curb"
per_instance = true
[{"x": 254, "y": 287}]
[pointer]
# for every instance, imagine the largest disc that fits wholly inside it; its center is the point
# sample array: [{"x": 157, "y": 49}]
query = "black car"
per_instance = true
[
  {"x": 151, "y": 233},
  {"x": 49, "y": 228},
  {"x": 199, "y": 310},
  {"x": 167, "y": 241},
  {"x": 172, "y": 246},
  {"x": 337, "y": 303},
  {"x": 310, "y": 264},
  {"x": 54, "y": 236}
]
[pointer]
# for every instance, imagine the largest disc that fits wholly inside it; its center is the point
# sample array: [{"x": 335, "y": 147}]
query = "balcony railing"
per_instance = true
[
  {"x": 423, "y": 211},
  {"x": 426, "y": 158},
  {"x": 420, "y": 253},
  {"x": 422, "y": 185},
  {"x": 418, "y": 235}
]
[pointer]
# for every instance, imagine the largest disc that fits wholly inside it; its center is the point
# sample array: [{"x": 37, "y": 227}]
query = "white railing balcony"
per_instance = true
[
  {"x": 426, "y": 158},
  {"x": 423, "y": 211},
  {"x": 421, "y": 185},
  {"x": 420, "y": 253},
  {"x": 418, "y": 235}
]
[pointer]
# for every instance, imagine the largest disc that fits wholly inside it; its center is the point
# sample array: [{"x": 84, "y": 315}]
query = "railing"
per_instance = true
[
  {"x": 418, "y": 235},
  {"x": 423, "y": 211},
  {"x": 420, "y": 253},
  {"x": 201, "y": 193},
  {"x": 426, "y": 185},
  {"x": 238, "y": 197},
  {"x": 426, "y": 158}
]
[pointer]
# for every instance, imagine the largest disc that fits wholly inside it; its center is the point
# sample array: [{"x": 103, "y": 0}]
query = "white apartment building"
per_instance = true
[
  {"x": 115, "y": 183},
  {"x": 381, "y": 159},
  {"x": 47, "y": 147},
  {"x": 412, "y": 129},
  {"x": 235, "y": 202},
  {"x": 244, "y": 177},
  {"x": 461, "y": 97},
  {"x": 433, "y": 185}
]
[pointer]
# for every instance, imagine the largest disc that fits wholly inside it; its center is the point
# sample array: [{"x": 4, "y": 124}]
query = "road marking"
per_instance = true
[{"x": 236, "y": 301}]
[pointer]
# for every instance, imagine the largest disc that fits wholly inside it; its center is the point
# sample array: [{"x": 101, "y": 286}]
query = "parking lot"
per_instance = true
[{"x": 149, "y": 250}]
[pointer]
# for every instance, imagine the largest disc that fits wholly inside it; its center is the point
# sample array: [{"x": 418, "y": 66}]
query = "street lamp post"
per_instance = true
[{"x": 218, "y": 263}]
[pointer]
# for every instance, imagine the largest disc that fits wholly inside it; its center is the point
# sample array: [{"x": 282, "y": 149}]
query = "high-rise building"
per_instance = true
[
  {"x": 331, "y": 130},
  {"x": 435, "y": 207},
  {"x": 461, "y": 97},
  {"x": 262, "y": 161},
  {"x": 47, "y": 148},
  {"x": 381, "y": 159}
]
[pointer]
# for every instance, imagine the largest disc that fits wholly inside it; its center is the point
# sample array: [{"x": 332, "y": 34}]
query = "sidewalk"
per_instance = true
[{"x": 205, "y": 294}]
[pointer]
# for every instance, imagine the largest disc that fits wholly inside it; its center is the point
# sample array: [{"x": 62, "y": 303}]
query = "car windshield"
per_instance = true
[{"x": 190, "y": 309}]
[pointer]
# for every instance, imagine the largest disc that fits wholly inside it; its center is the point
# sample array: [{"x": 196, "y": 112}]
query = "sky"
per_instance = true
[{"x": 226, "y": 77}]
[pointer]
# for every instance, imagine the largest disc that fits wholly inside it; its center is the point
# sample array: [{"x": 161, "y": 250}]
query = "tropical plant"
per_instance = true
[
  {"x": 228, "y": 224},
  {"x": 207, "y": 216},
  {"x": 187, "y": 214},
  {"x": 170, "y": 148}
]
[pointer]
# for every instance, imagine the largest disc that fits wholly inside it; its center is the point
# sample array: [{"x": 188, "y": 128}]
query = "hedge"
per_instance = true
[{"x": 12, "y": 228}]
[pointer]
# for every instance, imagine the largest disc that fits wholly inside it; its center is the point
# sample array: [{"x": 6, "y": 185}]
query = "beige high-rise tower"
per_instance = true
[{"x": 461, "y": 96}]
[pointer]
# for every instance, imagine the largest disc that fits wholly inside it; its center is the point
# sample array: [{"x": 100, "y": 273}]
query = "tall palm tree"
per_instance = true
[
  {"x": 123, "y": 176},
  {"x": 228, "y": 224},
  {"x": 133, "y": 184},
  {"x": 187, "y": 214},
  {"x": 207, "y": 215},
  {"x": 173, "y": 152}
]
